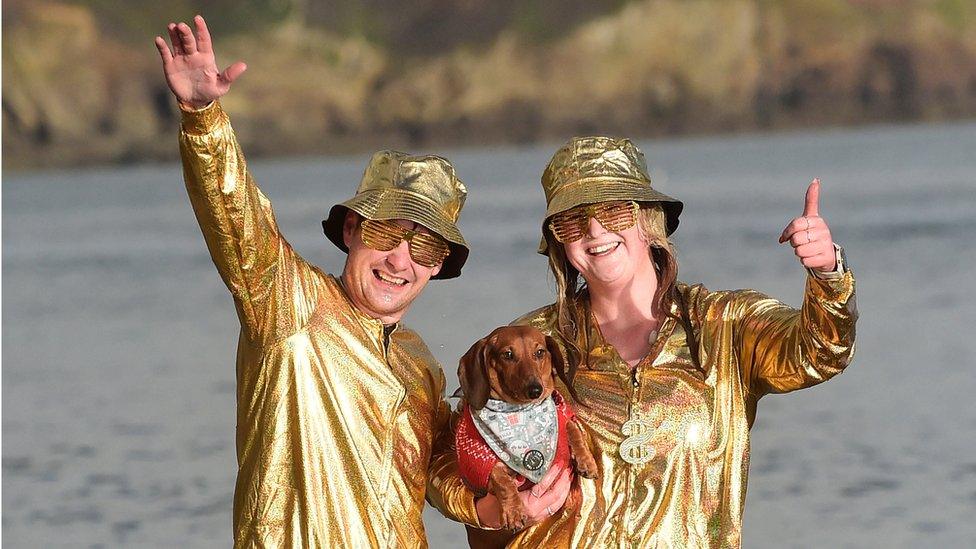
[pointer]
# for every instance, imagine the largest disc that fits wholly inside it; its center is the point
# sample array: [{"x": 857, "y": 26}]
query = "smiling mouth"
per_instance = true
[
  {"x": 603, "y": 249},
  {"x": 388, "y": 279}
]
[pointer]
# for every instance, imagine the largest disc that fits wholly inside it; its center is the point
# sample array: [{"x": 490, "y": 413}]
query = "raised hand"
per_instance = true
[
  {"x": 810, "y": 236},
  {"x": 190, "y": 67}
]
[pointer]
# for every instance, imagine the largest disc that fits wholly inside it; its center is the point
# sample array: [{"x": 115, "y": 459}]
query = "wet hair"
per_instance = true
[{"x": 571, "y": 287}]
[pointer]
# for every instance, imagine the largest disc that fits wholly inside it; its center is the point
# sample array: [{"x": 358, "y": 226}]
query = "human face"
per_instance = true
[
  {"x": 382, "y": 285},
  {"x": 610, "y": 259}
]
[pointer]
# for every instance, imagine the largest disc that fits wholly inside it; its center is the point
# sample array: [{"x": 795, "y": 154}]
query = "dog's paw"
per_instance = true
[
  {"x": 513, "y": 518},
  {"x": 586, "y": 468}
]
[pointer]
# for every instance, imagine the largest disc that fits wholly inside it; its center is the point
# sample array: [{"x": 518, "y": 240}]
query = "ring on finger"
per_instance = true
[{"x": 548, "y": 510}]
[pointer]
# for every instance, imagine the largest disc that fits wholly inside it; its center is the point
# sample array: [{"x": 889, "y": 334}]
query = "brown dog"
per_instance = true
[{"x": 515, "y": 364}]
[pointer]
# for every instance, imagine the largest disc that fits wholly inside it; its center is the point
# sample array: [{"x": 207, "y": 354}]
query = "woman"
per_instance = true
[{"x": 669, "y": 375}]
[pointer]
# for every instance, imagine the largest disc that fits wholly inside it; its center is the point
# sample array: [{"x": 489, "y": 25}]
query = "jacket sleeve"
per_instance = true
[
  {"x": 445, "y": 489},
  {"x": 273, "y": 288},
  {"x": 781, "y": 349}
]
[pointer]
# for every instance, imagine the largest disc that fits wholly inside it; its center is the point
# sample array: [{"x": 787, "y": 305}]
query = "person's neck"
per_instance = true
[
  {"x": 626, "y": 316},
  {"x": 630, "y": 305}
]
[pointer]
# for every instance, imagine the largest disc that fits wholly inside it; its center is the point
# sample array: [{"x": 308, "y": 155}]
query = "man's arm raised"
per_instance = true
[{"x": 272, "y": 287}]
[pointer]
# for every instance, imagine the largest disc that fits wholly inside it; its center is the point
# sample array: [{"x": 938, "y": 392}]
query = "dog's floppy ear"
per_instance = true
[
  {"x": 566, "y": 374},
  {"x": 473, "y": 375}
]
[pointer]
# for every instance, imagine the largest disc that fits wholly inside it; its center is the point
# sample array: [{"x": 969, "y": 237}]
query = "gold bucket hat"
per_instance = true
[
  {"x": 422, "y": 189},
  {"x": 588, "y": 170}
]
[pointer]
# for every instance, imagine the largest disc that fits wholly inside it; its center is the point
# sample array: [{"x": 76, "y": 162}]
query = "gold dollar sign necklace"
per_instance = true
[{"x": 636, "y": 448}]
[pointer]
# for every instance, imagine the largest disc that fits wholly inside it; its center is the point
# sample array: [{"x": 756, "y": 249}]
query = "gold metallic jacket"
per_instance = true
[
  {"x": 334, "y": 420},
  {"x": 692, "y": 491}
]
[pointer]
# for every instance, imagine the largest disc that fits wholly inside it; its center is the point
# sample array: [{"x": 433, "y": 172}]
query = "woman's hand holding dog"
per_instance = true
[{"x": 542, "y": 501}]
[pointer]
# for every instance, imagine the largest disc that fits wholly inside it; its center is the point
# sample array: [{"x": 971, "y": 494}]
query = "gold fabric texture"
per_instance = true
[
  {"x": 687, "y": 486},
  {"x": 334, "y": 418},
  {"x": 429, "y": 177}
]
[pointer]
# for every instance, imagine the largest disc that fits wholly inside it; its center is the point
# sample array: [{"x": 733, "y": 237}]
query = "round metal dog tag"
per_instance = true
[{"x": 533, "y": 460}]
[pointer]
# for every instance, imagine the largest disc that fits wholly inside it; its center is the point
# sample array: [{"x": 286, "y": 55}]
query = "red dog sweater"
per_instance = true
[{"x": 476, "y": 459}]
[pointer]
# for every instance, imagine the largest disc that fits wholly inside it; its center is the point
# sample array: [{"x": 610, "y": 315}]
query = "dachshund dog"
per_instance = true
[{"x": 515, "y": 365}]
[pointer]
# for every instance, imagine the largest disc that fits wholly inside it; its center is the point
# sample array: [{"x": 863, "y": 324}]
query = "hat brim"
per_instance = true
[
  {"x": 386, "y": 204},
  {"x": 594, "y": 190}
]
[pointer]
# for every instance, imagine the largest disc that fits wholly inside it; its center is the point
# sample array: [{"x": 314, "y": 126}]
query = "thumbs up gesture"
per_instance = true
[{"x": 810, "y": 236}]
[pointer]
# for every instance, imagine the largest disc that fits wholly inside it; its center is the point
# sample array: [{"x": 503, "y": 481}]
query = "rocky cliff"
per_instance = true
[{"x": 77, "y": 92}]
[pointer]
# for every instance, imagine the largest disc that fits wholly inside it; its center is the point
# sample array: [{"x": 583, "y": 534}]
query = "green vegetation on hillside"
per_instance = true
[{"x": 82, "y": 83}]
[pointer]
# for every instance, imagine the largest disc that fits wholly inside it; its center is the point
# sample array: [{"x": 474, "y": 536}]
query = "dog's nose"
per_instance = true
[{"x": 534, "y": 390}]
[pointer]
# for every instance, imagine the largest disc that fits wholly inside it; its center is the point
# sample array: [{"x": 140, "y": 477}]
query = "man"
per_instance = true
[{"x": 337, "y": 403}]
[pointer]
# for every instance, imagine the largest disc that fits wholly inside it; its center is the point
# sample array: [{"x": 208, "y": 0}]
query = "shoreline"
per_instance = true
[{"x": 56, "y": 160}]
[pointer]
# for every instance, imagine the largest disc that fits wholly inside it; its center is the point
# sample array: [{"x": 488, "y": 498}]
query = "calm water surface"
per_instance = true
[{"x": 118, "y": 336}]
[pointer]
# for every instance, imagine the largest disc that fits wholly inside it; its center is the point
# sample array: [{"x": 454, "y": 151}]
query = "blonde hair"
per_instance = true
[{"x": 571, "y": 288}]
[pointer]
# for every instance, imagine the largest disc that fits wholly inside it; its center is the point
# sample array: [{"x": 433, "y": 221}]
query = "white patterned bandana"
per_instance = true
[{"x": 523, "y": 436}]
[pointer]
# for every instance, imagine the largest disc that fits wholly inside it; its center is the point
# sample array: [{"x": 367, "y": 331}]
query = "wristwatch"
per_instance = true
[{"x": 838, "y": 271}]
